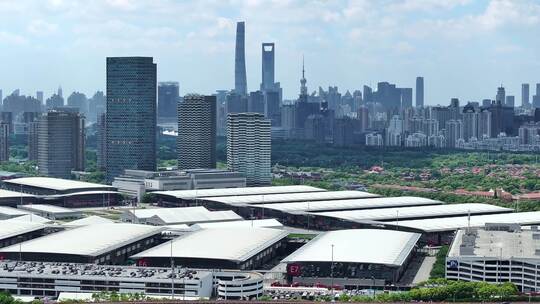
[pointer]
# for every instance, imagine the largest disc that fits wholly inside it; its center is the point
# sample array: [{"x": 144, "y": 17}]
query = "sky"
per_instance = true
[{"x": 463, "y": 48}]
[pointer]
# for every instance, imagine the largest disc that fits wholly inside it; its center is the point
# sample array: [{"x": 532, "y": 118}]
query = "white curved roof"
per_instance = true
[
  {"x": 413, "y": 212},
  {"x": 90, "y": 240},
  {"x": 290, "y": 197},
  {"x": 374, "y": 246},
  {"x": 13, "y": 194},
  {"x": 10, "y": 228},
  {"x": 89, "y": 220},
  {"x": 365, "y": 203},
  {"x": 10, "y": 211},
  {"x": 192, "y": 194},
  {"x": 262, "y": 223},
  {"x": 233, "y": 244},
  {"x": 58, "y": 184},
  {"x": 32, "y": 218},
  {"x": 184, "y": 215},
  {"x": 454, "y": 223}
]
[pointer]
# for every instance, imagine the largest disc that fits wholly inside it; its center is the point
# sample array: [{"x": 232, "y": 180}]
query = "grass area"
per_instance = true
[
  {"x": 439, "y": 267},
  {"x": 303, "y": 236}
]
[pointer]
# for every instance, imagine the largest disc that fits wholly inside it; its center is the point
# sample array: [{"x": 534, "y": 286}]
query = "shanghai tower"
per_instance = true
[{"x": 240, "y": 82}]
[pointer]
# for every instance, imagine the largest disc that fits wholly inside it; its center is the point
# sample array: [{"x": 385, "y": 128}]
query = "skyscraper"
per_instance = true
[
  {"x": 268, "y": 55},
  {"x": 453, "y": 132},
  {"x": 131, "y": 115},
  {"x": 240, "y": 82},
  {"x": 406, "y": 98},
  {"x": 60, "y": 143},
  {"x": 39, "y": 96},
  {"x": 168, "y": 97},
  {"x": 196, "y": 142},
  {"x": 501, "y": 95},
  {"x": 470, "y": 122},
  {"x": 4, "y": 142},
  {"x": 249, "y": 147},
  {"x": 101, "y": 141},
  {"x": 33, "y": 140},
  {"x": 525, "y": 100},
  {"x": 419, "y": 92}
]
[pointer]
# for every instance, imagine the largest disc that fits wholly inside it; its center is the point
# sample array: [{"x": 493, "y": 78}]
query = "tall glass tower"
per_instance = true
[
  {"x": 268, "y": 55},
  {"x": 240, "y": 82},
  {"x": 131, "y": 115}
]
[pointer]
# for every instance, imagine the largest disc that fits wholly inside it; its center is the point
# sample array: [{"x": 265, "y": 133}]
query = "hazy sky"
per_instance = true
[{"x": 463, "y": 48}]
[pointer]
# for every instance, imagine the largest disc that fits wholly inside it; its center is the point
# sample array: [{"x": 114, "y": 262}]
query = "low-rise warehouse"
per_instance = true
[
  {"x": 89, "y": 220},
  {"x": 9, "y": 212},
  {"x": 264, "y": 223},
  {"x": 171, "y": 216},
  {"x": 496, "y": 254},
  {"x": 14, "y": 198},
  {"x": 180, "y": 198},
  {"x": 65, "y": 192},
  {"x": 225, "y": 248},
  {"x": 353, "y": 258},
  {"x": 12, "y": 232},
  {"x": 418, "y": 212},
  {"x": 99, "y": 244},
  {"x": 441, "y": 230},
  {"x": 51, "y": 212}
]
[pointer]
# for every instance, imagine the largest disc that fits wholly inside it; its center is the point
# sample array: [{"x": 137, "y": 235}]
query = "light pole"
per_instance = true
[
  {"x": 332, "y": 271},
  {"x": 308, "y": 215},
  {"x": 172, "y": 273},
  {"x": 397, "y": 219}
]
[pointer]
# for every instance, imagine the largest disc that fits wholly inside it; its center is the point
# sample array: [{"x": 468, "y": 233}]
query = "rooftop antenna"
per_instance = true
[{"x": 469, "y": 221}]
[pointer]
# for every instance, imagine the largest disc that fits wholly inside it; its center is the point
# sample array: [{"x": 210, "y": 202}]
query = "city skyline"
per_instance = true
[{"x": 65, "y": 43}]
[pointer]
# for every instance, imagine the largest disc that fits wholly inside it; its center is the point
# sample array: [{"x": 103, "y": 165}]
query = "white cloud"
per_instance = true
[
  {"x": 10, "y": 38},
  {"x": 41, "y": 27}
]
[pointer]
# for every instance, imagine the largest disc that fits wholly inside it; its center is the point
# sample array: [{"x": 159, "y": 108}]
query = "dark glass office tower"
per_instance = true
[
  {"x": 168, "y": 97},
  {"x": 131, "y": 115},
  {"x": 240, "y": 82},
  {"x": 419, "y": 92},
  {"x": 268, "y": 55}
]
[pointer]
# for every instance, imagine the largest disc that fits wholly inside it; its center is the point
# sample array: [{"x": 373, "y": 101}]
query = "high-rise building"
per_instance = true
[
  {"x": 343, "y": 135},
  {"x": 419, "y": 92},
  {"x": 510, "y": 101},
  {"x": 363, "y": 118},
  {"x": 470, "y": 122},
  {"x": 55, "y": 101},
  {"x": 33, "y": 140},
  {"x": 7, "y": 117},
  {"x": 406, "y": 98},
  {"x": 79, "y": 101},
  {"x": 4, "y": 142},
  {"x": 315, "y": 128},
  {"x": 235, "y": 103},
  {"x": 484, "y": 124},
  {"x": 256, "y": 102},
  {"x": 536, "y": 97},
  {"x": 39, "y": 96},
  {"x": 272, "y": 107},
  {"x": 501, "y": 95},
  {"x": 367, "y": 94},
  {"x": 453, "y": 132},
  {"x": 525, "y": 100},
  {"x": 168, "y": 97},
  {"x": 60, "y": 143},
  {"x": 131, "y": 115},
  {"x": 101, "y": 141},
  {"x": 268, "y": 57},
  {"x": 96, "y": 106},
  {"x": 249, "y": 147},
  {"x": 196, "y": 142},
  {"x": 240, "y": 81}
]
